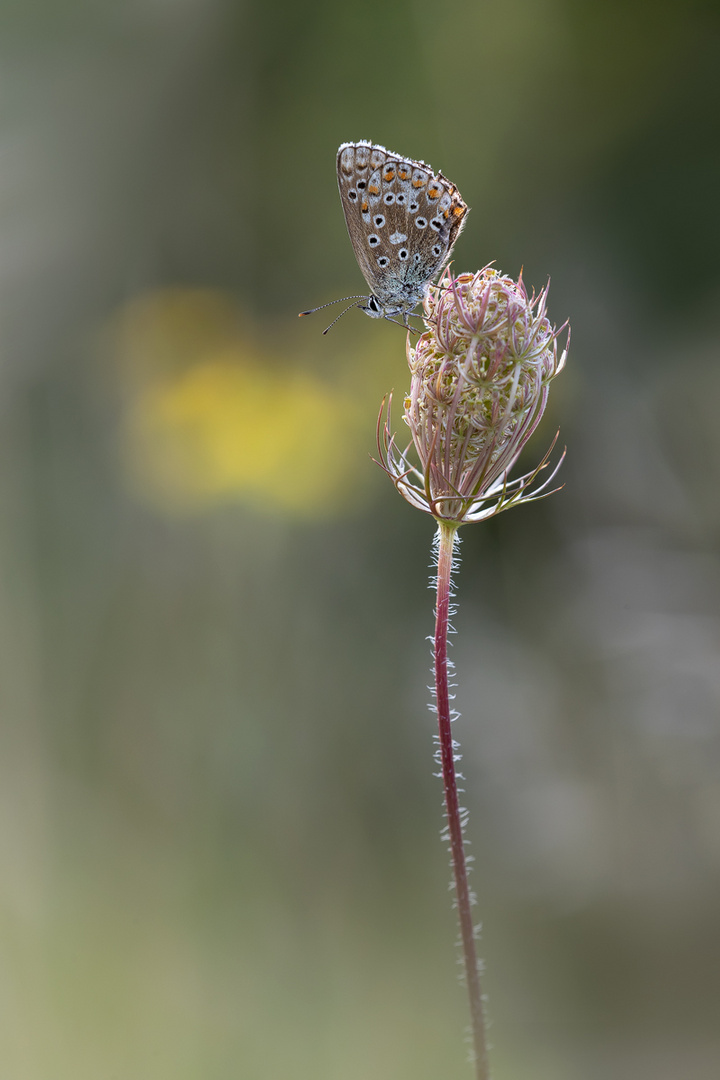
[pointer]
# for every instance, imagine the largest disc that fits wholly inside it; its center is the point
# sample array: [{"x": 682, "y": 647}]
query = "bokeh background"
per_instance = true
[{"x": 219, "y": 828}]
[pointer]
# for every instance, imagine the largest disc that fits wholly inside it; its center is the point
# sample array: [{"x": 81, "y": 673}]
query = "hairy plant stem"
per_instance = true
[{"x": 446, "y": 542}]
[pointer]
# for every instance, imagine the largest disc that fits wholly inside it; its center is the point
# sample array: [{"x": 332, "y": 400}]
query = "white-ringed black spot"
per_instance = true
[
  {"x": 362, "y": 184},
  {"x": 403, "y": 254},
  {"x": 352, "y": 194},
  {"x": 379, "y": 221},
  {"x": 436, "y": 224},
  {"x": 373, "y": 240},
  {"x": 383, "y": 261},
  {"x": 437, "y": 250},
  {"x": 413, "y": 207},
  {"x": 401, "y": 198},
  {"x": 389, "y": 199},
  {"x": 420, "y": 222},
  {"x": 417, "y": 257}
]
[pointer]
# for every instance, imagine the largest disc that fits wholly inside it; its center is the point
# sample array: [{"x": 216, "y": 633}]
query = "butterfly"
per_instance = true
[{"x": 403, "y": 220}]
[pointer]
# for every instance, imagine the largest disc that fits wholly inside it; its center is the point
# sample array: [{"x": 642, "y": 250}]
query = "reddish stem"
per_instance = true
[{"x": 446, "y": 541}]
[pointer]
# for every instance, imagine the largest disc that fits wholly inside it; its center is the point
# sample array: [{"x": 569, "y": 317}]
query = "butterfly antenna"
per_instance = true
[
  {"x": 343, "y": 312},
  {"x": 339, "y": 301}
]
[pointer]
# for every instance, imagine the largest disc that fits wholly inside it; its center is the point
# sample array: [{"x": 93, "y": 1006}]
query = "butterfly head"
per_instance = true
[{"x": 376, "y": 310}]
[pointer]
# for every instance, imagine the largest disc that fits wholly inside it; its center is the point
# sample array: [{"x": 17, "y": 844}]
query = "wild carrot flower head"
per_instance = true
[{"x": 480, "y": 376}]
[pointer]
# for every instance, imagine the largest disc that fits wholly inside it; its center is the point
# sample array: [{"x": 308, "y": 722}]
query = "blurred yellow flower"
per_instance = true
[{"x": 209, "y": 419}]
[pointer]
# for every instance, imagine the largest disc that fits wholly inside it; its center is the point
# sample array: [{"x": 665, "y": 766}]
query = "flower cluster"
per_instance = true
[{"x": 480, "y": 376}]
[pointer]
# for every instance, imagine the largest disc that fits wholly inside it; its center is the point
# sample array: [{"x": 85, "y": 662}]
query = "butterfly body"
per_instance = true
[{"x": 403, "y": 220}]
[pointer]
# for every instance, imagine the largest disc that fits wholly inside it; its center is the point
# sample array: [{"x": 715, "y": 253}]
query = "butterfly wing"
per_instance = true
[
  {"x": 354, "y": 170},
  {"x": 402, "y": 220}
]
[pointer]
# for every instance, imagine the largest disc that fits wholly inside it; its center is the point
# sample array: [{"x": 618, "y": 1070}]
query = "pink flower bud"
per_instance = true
[{"x": 480, "y": 376}]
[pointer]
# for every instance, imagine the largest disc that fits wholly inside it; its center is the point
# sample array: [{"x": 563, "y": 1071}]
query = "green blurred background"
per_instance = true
[{"x": 219, "y": 846}]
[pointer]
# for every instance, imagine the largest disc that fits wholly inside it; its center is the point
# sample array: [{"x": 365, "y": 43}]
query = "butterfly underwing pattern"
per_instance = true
[{"x": 403, "y": 220}]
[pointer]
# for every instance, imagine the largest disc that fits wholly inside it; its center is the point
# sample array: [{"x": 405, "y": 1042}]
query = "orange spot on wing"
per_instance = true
[
  {"x": 373, "y": 189},
  {"x": 433, "y": 192},
  {"x": 459, "y": 211},
  {"x": 364, "y": 208},
  {"x": 389, "y": 175},
  {"x": 419, "y": 183}
]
